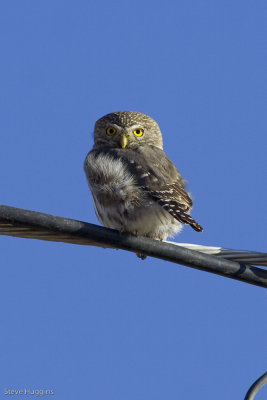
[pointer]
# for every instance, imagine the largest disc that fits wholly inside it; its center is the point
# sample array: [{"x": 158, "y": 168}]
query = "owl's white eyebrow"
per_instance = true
[
  {"x": 135, "y": 126},
  {"x": 112, "y": 124}
]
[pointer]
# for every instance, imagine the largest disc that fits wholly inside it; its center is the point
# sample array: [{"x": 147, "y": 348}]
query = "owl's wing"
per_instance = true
[
  {"x": 176, "y": 201},
  {"x": 157, "y": 175}
]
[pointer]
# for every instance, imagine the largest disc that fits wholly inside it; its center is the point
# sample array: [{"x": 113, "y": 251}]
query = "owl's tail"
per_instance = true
[
  {"x": 178, "y": 213},
  {"x": 186, "y": 219}
]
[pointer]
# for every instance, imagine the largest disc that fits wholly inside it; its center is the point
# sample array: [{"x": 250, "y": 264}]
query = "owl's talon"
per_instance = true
[{"x": 142, "y": 256}]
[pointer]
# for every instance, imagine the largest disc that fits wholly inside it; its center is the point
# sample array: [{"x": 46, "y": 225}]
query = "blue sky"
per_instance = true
[{"x": 102, "y": 324}]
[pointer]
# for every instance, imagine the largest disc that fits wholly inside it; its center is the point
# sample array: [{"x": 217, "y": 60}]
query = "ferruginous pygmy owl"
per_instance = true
[{"x": 135, "y": 187}]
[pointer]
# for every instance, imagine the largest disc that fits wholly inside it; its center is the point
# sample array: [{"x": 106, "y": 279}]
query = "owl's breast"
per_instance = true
[{"x": 110, "y": 180}]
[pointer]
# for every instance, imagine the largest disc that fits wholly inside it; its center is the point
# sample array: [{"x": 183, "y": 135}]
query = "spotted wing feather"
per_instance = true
[{"x": 165, "y": 185}]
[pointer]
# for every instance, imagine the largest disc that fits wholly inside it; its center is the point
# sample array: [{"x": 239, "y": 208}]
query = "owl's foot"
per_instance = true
[
  {"x": 122, "y": 230},
  {"x": 134, "y": 233},
  {"x": 140, "y": 255}
]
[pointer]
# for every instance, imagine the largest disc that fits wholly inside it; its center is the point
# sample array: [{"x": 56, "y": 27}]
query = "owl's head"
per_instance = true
[{"x": 127, "y": 129}]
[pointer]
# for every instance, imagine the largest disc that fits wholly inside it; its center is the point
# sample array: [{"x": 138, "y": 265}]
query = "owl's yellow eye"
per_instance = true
[
  {"x": 138, "y": 132},
  {"x": 110, "y": 131}
]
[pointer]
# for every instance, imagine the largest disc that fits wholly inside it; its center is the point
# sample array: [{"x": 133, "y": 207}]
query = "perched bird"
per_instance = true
[{"x": 135, "y": 187}]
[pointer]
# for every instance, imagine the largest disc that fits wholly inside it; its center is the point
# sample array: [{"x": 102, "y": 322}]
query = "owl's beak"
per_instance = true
[{"x": 123, "y": 141}]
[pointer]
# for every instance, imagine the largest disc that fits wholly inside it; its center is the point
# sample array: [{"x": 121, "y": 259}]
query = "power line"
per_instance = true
[
  {"x": 35, "y": 225},
  {"x": 241, "y": 256},
  {"x": 255, "y": 387}
]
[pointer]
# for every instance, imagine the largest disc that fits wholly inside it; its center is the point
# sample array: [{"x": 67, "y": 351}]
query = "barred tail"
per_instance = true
[{"x": 179, "y": 214}]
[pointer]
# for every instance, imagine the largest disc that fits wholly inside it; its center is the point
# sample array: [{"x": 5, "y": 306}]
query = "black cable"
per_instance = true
[
  {"x": 30, "y": 224},
  {"x": 255, "y": 387}
]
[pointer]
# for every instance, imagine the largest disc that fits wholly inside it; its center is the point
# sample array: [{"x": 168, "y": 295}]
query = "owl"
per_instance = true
[{"x": 135, "y": 187}]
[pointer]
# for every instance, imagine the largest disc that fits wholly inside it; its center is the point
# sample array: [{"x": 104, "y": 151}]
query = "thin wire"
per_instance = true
[
  {"x": 256, "y": 386},
  {"x": 242, "y": 256},
  {"x": 34, "y": 225}
]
